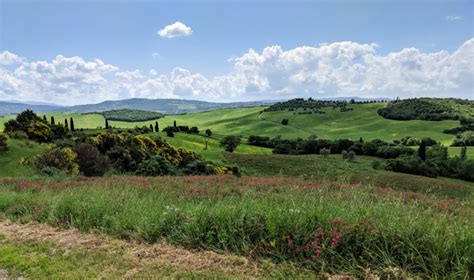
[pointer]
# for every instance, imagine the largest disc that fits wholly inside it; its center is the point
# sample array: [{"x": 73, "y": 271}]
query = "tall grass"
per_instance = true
[{"x": 331, "y": 227}]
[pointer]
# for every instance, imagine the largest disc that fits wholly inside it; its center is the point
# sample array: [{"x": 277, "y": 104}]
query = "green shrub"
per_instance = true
[
  {"x": 57, "y": 160},
  {"x": 19, "y": 135},
  {"x": 89, "y": 159},
  {"x": 3, "y": 142},
  {"x": 325, "y": 152},
  {"x": 155, "y": 166},
  {"x": 230, "y": 143}
]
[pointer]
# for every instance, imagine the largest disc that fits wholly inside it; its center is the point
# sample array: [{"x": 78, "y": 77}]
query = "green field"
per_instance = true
[
  {"x": 334, "y": 168},
  {"x": 363, "y": 121}
]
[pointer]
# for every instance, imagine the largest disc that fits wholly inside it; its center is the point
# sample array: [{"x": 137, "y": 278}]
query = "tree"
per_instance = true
[
  {"x": 208, "y": 132},
  {"x": 66, "y": 124},
  {"x": 3, "y": 142},
  {"x": 464, "y": 153},
  {"x": 157, "y": 128},
  {"x": 422, "y": 150},
  {"x": 106, "y": 124},
  {"x": 26, "y": 117},
  {"x": 71, "y": 124},
  {"x": 169, "y": 131},
  {"x": 284, "y": 121},
  {"x": 194, "y": 129},
  {"x": 52, "y": 120},
  {"x": 11, "y": 126},
  {"x": 230, "y": 143},
  {"x": 151, "y": 127},
  {"x": 361, "y": 140},
  {"x": 174, "y": 124},
  {"x": 91, "y": 162},
  {"x": 44, "y": 118}
]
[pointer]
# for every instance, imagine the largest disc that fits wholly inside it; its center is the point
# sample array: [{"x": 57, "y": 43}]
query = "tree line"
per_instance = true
[{"x": 430, "y": 159}]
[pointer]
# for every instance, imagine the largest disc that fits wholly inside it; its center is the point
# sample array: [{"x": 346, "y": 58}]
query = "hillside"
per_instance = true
[
  {"x": 362, "y": 121},
  {"x": 435, "y": 109},
  {"x": 7, "y": 108}
]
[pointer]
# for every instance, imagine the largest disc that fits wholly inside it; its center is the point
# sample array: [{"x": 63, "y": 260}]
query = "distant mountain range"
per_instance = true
[{"x": 165, "y": 106}]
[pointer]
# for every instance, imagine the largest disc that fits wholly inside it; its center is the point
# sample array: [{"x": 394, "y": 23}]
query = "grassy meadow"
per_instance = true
[{"x": 328, "y": 227}]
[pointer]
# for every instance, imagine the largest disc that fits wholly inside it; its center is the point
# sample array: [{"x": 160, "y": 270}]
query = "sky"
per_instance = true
[{"x": 76, "y": 52}]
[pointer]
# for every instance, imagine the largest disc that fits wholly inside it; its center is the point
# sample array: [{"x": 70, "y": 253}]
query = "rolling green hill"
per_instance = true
[{"x": 362, "y": 121}]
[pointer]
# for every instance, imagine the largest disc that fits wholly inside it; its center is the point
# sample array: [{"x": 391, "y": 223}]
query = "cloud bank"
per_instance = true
[{"x": 330, "y": 70}]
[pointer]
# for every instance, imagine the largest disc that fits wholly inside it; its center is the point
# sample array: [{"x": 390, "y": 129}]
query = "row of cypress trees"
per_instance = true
[{"x": 69, "y": 125}]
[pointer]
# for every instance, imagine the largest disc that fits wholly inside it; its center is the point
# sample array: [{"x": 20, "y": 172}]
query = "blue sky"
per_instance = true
[{"x": 124, "y": 33}]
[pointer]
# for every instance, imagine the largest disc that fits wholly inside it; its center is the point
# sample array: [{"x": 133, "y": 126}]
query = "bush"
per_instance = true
[
  {"x": 90, "y": 161},
  {"x": 429, "y": 141},
  {"x": 3, "y": 142},
  {"x": 155, "y": 166},
  {"x": 19, "y": 135},
  {"x": 261, "y": 141},
  {"x": 349, "y": 156},
  {"x": 208, "y": 132},
  {"x": 194, "y": 129},
  {"x": 230, "y": 143},
  {"x": 57, "y": 160},
  {"x": 11, "y": 126},
  {"x": 325, "y": 152},
  {"x": 284, "y": 121},
  {"x": 412, "y": 165},
  {"x": 200, "y": 167},
  {"x": 170, "y": 130},
  {"x": 39, "y": 131}
]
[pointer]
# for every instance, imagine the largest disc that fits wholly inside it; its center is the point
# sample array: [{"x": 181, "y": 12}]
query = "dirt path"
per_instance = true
[
  {"x": 156, "y": 254},
  {"x": 141, "y": 255}
]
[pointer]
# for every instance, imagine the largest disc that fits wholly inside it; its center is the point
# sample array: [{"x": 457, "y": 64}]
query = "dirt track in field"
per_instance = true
[{"x": 156, "y": 254}]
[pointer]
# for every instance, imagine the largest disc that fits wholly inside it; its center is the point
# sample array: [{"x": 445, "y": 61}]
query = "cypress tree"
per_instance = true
[
  {"x": 151, "y": 127},
  {"x": 464, "y": 152},
  {"x": 422, "y": 150},
  {"x": 157, "y": 128},
  {"x": 106, "y": 124},
  {"x": 44, "y": 118},
  {"x": 65, "y": 124},
  {"x": 174, "y": 124},
  {"x": 71, "y": 123},
  {"x": 52, "y": 120},
  {"x": 361, "y": 140}
]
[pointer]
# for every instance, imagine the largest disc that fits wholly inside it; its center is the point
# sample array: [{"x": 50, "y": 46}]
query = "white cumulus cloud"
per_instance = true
[
  {"x": 8, "y": 58},
  {"x": 176, "y": 29},
  {"x": 329, "y": 70}
]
